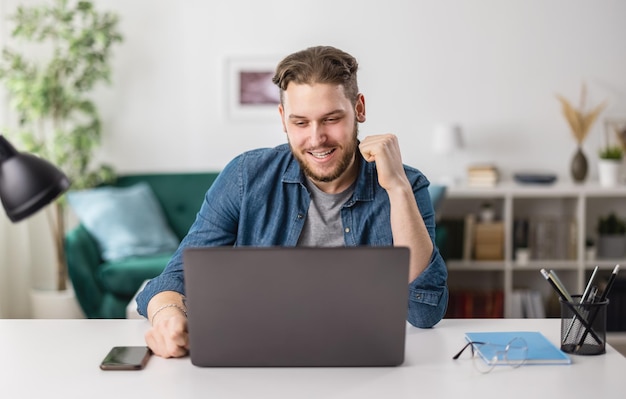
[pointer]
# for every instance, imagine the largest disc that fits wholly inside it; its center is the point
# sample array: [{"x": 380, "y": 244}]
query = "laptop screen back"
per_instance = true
[{"x": 300, "y": 306}]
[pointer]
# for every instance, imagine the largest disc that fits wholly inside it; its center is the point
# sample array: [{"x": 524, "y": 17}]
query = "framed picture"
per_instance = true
[{"x": 250, "y": 91}]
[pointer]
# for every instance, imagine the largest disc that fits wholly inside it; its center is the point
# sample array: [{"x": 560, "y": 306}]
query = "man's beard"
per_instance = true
[{"x": 344, "y": 163}]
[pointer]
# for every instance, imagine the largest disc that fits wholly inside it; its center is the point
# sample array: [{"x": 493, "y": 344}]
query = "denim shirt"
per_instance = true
[{"x": 260, "y": 199}]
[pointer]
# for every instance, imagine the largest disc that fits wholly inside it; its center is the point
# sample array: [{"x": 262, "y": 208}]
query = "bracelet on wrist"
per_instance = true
[{"x": 169, "y": 305}]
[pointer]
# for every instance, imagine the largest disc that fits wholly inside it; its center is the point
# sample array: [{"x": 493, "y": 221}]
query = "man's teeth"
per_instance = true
[{"x": 321, "y": 154}]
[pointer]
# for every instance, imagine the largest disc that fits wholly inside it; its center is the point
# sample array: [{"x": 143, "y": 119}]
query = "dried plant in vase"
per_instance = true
[{"x": 580, "y": 121}]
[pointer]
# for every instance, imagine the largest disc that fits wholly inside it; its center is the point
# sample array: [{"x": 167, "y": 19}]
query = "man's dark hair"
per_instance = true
[{"x": 321, "y": 64}]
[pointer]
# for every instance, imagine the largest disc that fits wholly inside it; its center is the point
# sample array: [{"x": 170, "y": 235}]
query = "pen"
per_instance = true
[
  {"x": 590, "y": 299},
  {"x": 609, "y": 285},
  {"x": 561, "y": 286},
  {"x": 592, "y": 294},
  {"x": 603, "y": 297},
  {"x": 583, "y": 299},
  {"x": 554, "y": 285}
]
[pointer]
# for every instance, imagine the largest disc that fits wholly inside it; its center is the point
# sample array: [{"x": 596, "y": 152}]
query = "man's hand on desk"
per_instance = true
[{"x": 168, "y": 336}]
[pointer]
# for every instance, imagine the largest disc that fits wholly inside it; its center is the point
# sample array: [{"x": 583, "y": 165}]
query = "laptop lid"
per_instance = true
[{"x": 302, "y": 306}]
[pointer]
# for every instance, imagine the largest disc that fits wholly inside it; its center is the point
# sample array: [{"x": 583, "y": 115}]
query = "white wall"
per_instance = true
[{"x": 493, "y": 66}]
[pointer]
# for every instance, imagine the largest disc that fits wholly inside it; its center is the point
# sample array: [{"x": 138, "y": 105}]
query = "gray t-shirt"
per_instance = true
[{"x": 323, "y": 227}]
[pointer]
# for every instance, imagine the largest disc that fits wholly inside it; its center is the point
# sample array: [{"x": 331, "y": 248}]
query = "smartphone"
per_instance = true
[{"x": 126, "y": 358}]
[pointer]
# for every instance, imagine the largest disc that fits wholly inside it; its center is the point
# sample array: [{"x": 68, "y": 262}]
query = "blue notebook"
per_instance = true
[{"x": 540, "y": 349}]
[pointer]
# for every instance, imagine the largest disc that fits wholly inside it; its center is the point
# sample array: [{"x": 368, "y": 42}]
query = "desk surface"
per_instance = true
[{"x": 50, "y": 358}]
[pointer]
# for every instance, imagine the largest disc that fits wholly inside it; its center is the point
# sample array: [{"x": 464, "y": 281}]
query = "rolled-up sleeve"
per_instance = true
[{"x": 428, "y": 294}]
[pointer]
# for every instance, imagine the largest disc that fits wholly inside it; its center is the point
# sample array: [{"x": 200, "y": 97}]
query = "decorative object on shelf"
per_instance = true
[
  {"x": 487, "y": 213},
  {"x": 579, "y": 166},
  {"x": 580, "y": 121},
  {"x": 534, "y": 177},
  {"x": 522, "y": 256},
  {"x": 610, "y": 163},
  {"x": 49, "y": 93},
  {"x": 611, "y": 237},
  {"x": 489, "y": 241},
  {"x": 590, "y": 249},
  {"x": 610, "y": 166},
  {"x": 447, "y": 139}
]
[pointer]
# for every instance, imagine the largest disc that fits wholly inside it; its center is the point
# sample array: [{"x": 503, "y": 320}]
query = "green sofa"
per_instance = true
[{"x": 103, "y": 289}]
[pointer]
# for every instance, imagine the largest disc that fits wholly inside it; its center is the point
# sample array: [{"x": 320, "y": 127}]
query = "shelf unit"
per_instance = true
[{"x": 583, "y": 203}]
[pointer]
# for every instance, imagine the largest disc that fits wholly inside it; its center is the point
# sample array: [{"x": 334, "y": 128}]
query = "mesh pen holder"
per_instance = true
[{"x": 583, "y": 327}]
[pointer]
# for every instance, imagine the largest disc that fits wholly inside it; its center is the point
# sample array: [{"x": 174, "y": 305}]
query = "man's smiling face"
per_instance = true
[{"x": 321, "y": 127}]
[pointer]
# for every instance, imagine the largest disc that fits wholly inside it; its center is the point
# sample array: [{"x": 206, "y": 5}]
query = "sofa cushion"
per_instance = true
[
  {"x": 124, "y": 277},
  {"x": 125, "y": 221}
]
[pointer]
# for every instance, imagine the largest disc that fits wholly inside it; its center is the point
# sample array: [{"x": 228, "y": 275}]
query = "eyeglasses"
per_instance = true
[{"x": 486, "y": 356}]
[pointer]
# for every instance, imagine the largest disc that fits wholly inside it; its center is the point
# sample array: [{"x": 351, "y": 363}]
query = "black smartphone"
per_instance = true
[{"x": 126, "y": 358}]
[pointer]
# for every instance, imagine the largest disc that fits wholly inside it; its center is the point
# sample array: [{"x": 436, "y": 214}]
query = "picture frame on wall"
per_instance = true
[{"x": 250, "y": 91}]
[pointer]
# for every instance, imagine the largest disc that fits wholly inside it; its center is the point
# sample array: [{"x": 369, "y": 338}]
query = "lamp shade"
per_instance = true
[
  {"x": 27, "y": 183},
  {"x": 447, "y": 138}
]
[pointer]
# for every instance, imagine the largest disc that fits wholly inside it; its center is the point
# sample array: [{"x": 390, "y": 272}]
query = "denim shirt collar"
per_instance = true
[{"x": 365, "y": 185}]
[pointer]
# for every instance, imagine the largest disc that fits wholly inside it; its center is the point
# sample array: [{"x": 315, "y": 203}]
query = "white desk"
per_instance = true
[{"x": 60, "y": 358}]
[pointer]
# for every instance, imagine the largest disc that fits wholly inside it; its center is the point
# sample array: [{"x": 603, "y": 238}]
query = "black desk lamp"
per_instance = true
[{"x": 27, "y": 183}]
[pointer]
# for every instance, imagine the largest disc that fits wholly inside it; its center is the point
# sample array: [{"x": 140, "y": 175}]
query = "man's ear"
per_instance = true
[{"x": 359, "y": 108}]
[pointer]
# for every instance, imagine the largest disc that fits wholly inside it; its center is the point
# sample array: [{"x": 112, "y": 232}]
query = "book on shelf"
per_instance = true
[
  {"x": 468, "y": 239},
  {"x": 482, "y": 175},
  {"x": 450, "y": 233},
  {"x": 464, "y": 304},
  {"x": 540, "y": 350},
  {"x": 527, "y": 304},
  {"x": 469, "y": 230},
  {"x": 456, "y": 237},
  {"x": 548, "y": 238},
  {"x": 520, "y": 235}
]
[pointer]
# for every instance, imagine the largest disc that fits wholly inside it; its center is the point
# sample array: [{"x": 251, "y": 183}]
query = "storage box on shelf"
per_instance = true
[{"x": 551, "y": 224}]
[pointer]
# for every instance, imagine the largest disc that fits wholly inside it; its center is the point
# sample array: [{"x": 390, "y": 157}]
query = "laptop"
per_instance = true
[{"x": 296, "y": 306}]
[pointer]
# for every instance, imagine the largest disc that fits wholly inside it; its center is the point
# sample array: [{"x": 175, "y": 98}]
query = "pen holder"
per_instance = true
[{"x": 583, "y": 326}]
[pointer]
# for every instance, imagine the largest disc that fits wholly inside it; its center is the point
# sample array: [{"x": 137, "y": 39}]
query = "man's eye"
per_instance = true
[{"x": 300, "y": 123}]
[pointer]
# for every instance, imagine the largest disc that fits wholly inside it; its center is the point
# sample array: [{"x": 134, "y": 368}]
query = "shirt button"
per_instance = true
[
  {"x": 347, "y": 230},
  {"x": 418, "y": 296},
  {"x": 300, "y": 216}
]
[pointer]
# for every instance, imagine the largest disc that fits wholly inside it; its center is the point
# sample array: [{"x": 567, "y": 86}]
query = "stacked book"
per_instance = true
[{"x": 484, "y": 175}]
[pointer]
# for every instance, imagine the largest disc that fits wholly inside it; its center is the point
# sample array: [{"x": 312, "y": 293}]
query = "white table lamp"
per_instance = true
[{"x": 447, "y": 139}]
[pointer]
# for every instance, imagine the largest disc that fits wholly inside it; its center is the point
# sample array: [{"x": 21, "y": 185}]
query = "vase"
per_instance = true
[{"x": 579, "y": 166}]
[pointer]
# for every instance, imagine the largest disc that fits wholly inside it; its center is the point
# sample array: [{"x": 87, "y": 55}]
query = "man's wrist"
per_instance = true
[{"x": 166, "y": 306}]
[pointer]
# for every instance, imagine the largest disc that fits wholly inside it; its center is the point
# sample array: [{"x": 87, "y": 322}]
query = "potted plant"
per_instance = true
[
  {"x": 54, "y": 117},
  {"x": 610, "y": 164},
  {"x": 611, "y": 237}
]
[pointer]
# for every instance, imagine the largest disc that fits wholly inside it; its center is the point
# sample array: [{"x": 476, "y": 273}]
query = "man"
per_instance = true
[{"x": 325, "y": 188}]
